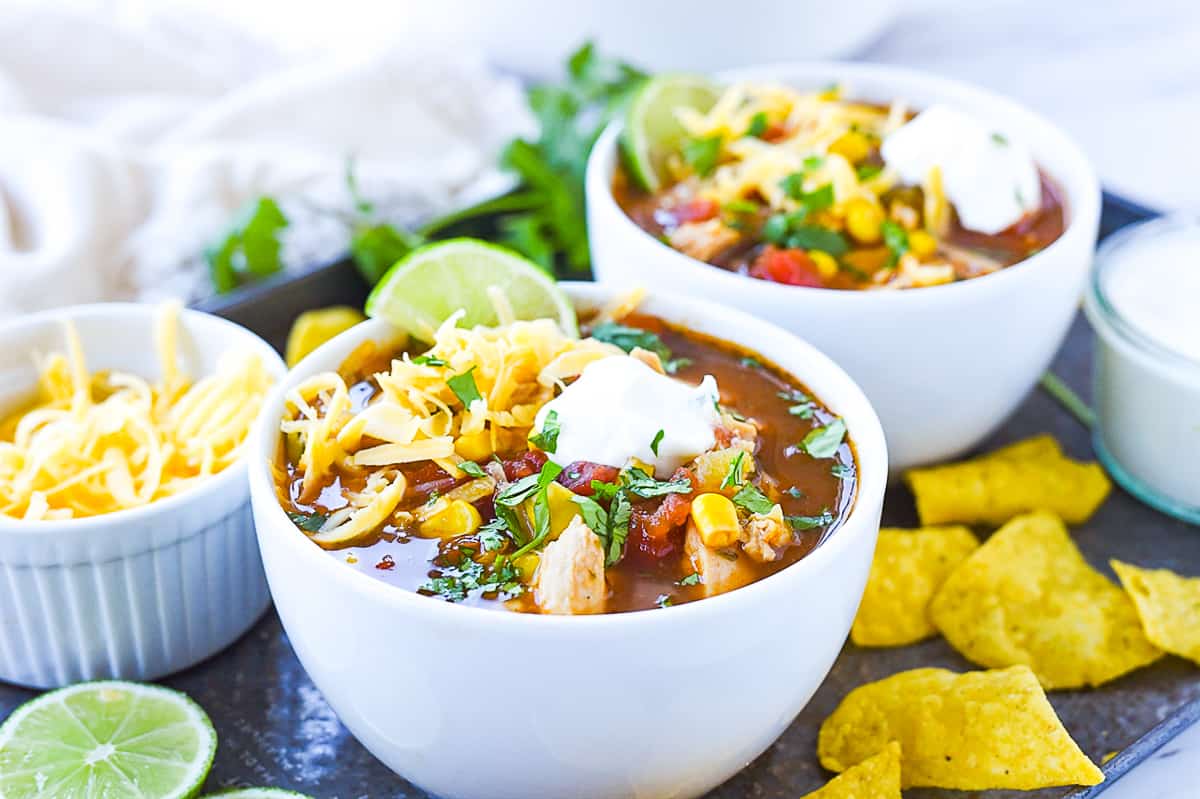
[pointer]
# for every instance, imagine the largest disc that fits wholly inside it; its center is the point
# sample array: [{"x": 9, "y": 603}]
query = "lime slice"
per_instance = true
[
  {"x": 652, "y": 131},
  {"x": 429, "y": 284},
  {"x": 257, "y": 793},
  {"x": 106, "y": 740}
]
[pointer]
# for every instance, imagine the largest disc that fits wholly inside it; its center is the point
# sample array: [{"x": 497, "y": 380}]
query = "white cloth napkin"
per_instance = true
[{"x": 125, "y": 148}]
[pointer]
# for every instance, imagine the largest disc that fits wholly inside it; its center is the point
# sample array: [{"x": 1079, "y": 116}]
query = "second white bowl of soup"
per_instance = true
[
  {"x": 648, "y": 685},
  {"x": 945, "y": 345}
]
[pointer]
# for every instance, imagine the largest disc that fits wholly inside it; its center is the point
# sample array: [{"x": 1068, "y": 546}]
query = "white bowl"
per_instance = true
[
  {"x": 653, "y": 703},
  {"x": 943, "y": 365},
  {"x": 140, "y": 593}
]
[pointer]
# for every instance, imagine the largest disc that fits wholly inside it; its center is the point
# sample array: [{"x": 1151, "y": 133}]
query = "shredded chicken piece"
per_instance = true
[
  {"x": 765, "y": 533},
  {"x": 704, "y": 240},
  {"x": 570, "y": 575},
  {"x": 720, "y": 570},
  {"x": 649, "y": 358}
]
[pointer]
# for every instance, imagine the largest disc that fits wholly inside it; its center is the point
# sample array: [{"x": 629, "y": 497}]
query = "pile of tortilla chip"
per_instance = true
[
  {"x": 1024, "y": 603},
  {"x": 974, "y": 731}
]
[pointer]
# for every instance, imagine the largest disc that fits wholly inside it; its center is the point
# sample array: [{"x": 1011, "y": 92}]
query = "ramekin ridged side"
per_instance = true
[{"x": 141, "y": 593}]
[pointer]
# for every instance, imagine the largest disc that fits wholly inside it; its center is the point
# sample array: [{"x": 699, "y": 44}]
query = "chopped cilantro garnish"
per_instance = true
[
  {"x": 823, "y": 442},
  {"x": 493, "y": 535},
  {"x": 815, "y": 237},
  {"x": 896, "y": 239},
  {"x": 868, "y": 171},
  {"x": 664, "y": 601},
  {"x": 775, "y": 228},
  {"x": 750, "y": 363},
  {"x": 464, "y": 387},
  {"x": 740, "y": 207},
  {"x": 640, "y": 484},
  {"x": 1000, "y": 139},
  {"x": 250, "y": 248},
  {"x": 456, "y": 583},
  {"x": 472, "y": 468},
  {"x": 813, "y": 162},
  {"x": 429, "y": 360},
  {"x": 810, "y": 522},
  {"x": 605, "y": 491},
  {"x": 752, "y": 500},
  {"x": 546, "y": 439},
  {"x": 658, "y": 437},
  {"x": 691, "y": 579},
  {"x": 630, "y": 338},
  {"x": 308, "y": 522},
  {"x": 675, "y": 364},
  {"x": 803, "y": 405},
  {"x": 733, "y": 475},
  {"x": 842, "y": 471},
  {"x": 758, "y": 125},
  {"x": 795, "y": 493},
  {"x": 618, "y": 527},
  {"x": 702, "y": 154},
  {"x": 541, "y": 506}
]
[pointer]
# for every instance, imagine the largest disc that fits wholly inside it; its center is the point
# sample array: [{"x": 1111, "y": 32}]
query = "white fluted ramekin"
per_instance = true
[
  {"x": 140, "y": 593},
  {"x": 943, "y": 365}
]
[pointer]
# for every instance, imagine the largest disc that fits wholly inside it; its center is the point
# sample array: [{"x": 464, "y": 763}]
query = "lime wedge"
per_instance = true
[
  {"x": 652, "y": 131},
  {"x": 106, "y": 740},
  {"x": 429, "y": 284},
  {"x": 257, "y": 793}
]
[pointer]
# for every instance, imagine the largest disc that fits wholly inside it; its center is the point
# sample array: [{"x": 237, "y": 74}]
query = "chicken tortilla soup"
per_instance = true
[{"x": 513, "y": 467}]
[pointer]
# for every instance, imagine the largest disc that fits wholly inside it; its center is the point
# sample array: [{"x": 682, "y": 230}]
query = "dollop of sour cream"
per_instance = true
[
  {"x": 991, "y": 180},
  {"x": 616, "y": 409}
]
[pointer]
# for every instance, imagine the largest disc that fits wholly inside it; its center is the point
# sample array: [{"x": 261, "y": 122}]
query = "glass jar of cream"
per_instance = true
[{"x": 1144, "y": 304}]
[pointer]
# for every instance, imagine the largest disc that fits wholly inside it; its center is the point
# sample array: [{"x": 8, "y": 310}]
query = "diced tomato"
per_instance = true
[
  {"x": 578, "y": 476},
  {"x": 523, "y": 465},
  {"x": 655, "y": 524},
  {"x": 696, "y": 210},
  {"x": 792, "y": 267}
]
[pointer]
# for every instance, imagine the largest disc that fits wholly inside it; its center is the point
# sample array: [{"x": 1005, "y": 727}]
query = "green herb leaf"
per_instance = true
[
  {"x": 733, "y": 475},
  {"x": 618, "y": 527},
  {"x": 640, "y": 484},
  {"x": 464, "y": 387},
  {"x": 605, "y": 491},
  {"x": 673, "y": 365},
  {"x": 375, "y": 248},
  {"x": 750, "y": 363},
  {"x": 691, "y": 579},
  {"x": 813, "y": 162},
  {"x": 896, "y": 239},
  {"x": 658, "y": 437},
  {"x": 823, "y": 442},
  {"x": 867, "y": 171},
  {"x": 815, "y": 237},
  {"x": 472, "y": 468},
  {"x": 740, "y": 207},
  {"x": 1000, "y": 139},
  {"x": 249, "y": 249},
  {"x": 809, "y": 522},
  {"x": 664, "y": 601},
  {"x": 630, "y": 338},
  {"x": 493, "y": 536},
  {"x": 775, "y": 229},
  {"x": 752, "y": 500},
  {"x": 546, "y": 439},
  {"x": 702, "y": 154},
  {"x": 842, "y": 471},
  {"x": 757, "y": 126},
  {"x": 308, "y": 522},
  {"x": 794, "y": 492},
  {"x": 429, "y": 360},
  {"x": 593, "y": 513},
  {"x": 541, "y": 507}
]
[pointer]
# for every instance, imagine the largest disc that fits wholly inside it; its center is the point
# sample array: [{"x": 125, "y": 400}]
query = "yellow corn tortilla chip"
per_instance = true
[
  {"x": 877, "y": 777},
  {"x": 1167, "y": 604},
  {"x": 974, "y": 731},
  {"x": 1030, "y": 475},
  {"x": 908, "y": 569},
  {"x": 1028, "y": 597}
]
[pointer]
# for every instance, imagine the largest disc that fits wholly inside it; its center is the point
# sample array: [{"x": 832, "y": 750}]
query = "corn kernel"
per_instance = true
[
  {"x": 562, "y": 508},
  {"x": 864, "y": 220},
  {"x": 851, "y": 145},
  {"x": 527, "y": 565},
  {"x": 474, "y": 446},
  {"x": 921, "y": 244},
  {"x": 826, "y": 264},
  {"x": 716, "y": 520},
  {"x": 457, "y": 518}
]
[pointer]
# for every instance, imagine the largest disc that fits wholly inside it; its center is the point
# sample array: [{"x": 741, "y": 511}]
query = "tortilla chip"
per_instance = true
[
  {"x": 909, "y": 567},
  {"x": 1168, "y": 605},
  {"x": 1027, "y": 596},
  {"x": 877, "y": 777},
  {"x": 1026, "y": 476},
  {"x": 973, "y": 731}
]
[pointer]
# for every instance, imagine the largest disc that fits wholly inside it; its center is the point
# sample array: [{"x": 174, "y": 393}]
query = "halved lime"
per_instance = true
[
  {"x": 429, "y": 284},
  {"x": 106, "y": 740},
  {"x": 652, "y": 131},
  {"x": 257, "y": 793}
]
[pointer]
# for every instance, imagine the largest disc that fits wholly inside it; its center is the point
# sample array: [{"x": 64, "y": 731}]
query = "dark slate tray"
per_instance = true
[{"x": 276, "y": 729}]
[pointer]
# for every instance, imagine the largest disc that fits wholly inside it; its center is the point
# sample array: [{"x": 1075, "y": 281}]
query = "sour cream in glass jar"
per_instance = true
[{"x": 1144, "y": 304}]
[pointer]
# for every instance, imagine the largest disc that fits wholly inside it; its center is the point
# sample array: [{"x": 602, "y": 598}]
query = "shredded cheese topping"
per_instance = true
[
  {"x": 98, "y": 443},
  {"x": 418, "y": 416}
]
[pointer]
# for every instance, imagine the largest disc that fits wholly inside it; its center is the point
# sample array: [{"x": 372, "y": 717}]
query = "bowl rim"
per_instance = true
[
  {"x": 1081, "y": 201},
  {"x": 866, "y": 435},
  {"x": 224, "y": 481}
]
